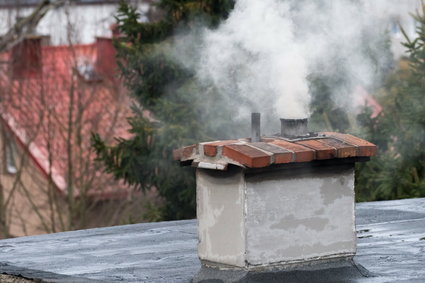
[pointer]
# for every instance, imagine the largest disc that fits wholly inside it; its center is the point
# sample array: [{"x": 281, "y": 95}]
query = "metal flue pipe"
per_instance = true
[
  {"x": 292, "y": 128},
  {"x": 255, "y": 127}
]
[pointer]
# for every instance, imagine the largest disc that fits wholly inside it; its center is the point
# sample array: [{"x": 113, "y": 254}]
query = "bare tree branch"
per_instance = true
[{"x": 27, "y": 24}]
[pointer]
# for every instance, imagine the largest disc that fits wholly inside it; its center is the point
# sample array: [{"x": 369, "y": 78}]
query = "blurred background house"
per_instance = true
[
  {"x": 79, "y": 21},
  {"x": 59, "y": 85}
]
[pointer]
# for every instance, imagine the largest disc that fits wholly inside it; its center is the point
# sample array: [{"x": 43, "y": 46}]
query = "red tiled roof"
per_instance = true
[
  {"x": 273, "y": 150},
  {"x": 55, "y": 112},
  {"x": 363, "y": 98}
]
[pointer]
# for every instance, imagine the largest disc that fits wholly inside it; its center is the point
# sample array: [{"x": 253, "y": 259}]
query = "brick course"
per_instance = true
[{"x": 276, "y": 150}]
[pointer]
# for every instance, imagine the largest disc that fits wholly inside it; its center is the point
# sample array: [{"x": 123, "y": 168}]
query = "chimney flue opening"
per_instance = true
[
  {"x": 255, "y": 127},
  {"x": 294, "y": 128}
]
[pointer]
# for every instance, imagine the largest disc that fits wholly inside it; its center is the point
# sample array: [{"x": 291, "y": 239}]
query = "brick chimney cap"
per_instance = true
[{"x": 274, "y": 150}]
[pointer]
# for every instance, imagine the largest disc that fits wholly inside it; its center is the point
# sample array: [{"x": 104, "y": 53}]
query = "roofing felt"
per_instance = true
[
  {"x": 274, "y": 151},
  {"x": 390, "y": 234},
  {"x": 54, "y": 112}
]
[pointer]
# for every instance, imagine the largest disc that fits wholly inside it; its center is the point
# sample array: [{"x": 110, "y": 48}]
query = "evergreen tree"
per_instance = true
[
  {"x": 334, "y": 79},
  {"x": 399, "y": 169},
  {"x": 168, "y": 91}
]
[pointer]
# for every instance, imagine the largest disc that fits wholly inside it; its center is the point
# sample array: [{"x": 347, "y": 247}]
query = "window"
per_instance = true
[
  {"x": 87, "y": 72},
  {"x": 10, "y": 155}
]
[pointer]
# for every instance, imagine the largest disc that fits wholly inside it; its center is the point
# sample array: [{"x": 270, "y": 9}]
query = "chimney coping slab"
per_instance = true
[{"x": 276, "y": 150}]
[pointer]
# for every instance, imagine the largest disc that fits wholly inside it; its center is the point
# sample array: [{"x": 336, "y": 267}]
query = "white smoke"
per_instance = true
[
  {"x": 255, "y": 55},
  {"x": 260, "y": 58}
]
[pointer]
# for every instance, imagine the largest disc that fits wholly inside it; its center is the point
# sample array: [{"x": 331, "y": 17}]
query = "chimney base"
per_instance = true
[{"x": 341, "y": 270}]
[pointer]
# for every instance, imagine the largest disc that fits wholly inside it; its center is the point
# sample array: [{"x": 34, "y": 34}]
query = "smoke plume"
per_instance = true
[{"x": 261, "y": 57}]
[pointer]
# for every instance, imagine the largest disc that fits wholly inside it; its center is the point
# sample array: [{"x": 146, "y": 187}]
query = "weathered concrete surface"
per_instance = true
[
  {"x": 220, "y": 211},
  {"x": 389, "y": 245},
  {"x": 300, "y": 215},
  {"x": 256, "y": 220}
]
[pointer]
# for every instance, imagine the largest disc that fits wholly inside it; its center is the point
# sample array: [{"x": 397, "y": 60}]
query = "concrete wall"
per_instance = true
[
  {"x": 220, "y": 212},
  {"x": 298, "y": 215},
  {"x": 280, "y": 217}
]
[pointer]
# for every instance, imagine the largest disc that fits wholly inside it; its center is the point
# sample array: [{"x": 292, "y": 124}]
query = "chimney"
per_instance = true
[
  {"x": 276, "y": 204},
  {"x": 293, "y": 128},
  {"x": 255, "y": 127},
  {"x": 106, "y": 64},
  {"x": 26, "y": 58}
]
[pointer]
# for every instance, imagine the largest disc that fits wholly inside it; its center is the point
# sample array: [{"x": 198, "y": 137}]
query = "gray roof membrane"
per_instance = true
[{"x": 391, "y": 246}]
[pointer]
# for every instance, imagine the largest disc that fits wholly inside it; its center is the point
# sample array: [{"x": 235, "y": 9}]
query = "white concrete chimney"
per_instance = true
[{"x": 278, "y": 202}]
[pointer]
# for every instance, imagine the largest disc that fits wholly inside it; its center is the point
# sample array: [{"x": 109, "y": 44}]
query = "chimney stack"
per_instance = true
[
  {"x": 106, "y": 64},
  {"x": 280, "y": 204},
  {"x": 293, "y": 128},
  {"x": 26, "y": 58}
]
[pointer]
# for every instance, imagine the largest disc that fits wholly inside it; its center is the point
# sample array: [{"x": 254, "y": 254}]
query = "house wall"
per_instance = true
[
  {"x": 30, "y": 206},
  {"x": 25, "y": 204}
]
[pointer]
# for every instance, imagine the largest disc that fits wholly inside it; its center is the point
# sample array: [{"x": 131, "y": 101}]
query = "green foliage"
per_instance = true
[
  {"x": 168, "y": 92},
  {"x": 326, "y": 115},
  {"x": 335, "y": 79},
  {"x": 399, "y": 169}
]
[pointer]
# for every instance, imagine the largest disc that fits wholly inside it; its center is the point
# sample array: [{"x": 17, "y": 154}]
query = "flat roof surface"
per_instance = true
[{"x": 391, "y": 244}]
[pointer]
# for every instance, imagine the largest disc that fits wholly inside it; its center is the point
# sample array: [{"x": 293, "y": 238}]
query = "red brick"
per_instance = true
[
  {"x": 322, "y": 151},
  {"x": 280, "y": 155},
  {"x": 301, "y": 153},
  {"x": 364, "y": 148},
  {"x": 247, "y": 155},
  {"x": 210, "y": 149},
  {"x": 343, "y": 150},
  {"x": 188, "y": 152}
]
